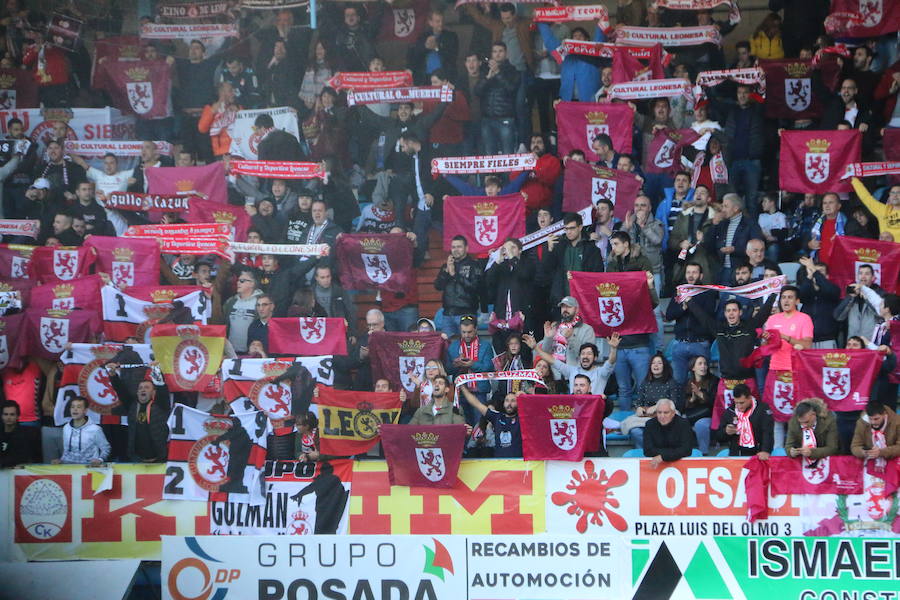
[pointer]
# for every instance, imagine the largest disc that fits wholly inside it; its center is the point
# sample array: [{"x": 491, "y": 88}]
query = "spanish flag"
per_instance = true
[{"x": 189, "y": 355}]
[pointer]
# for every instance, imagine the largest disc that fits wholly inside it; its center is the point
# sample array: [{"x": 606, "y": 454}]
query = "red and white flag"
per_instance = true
[
  {"x": 399, "y": 357},
  {"x": 187, "y": 230},
  {"x": 82, "y": 293},
  {"x": 757, "y": 289},
  {"x": 466, "y": 165},
  {"x": 61, "y": 263},
  {"x": 567, "y": 14},
  {"x": 423, "y": 455},
  {"x": 235, "y": 217},
  {"x": 664, "y": 153},
  {"x": 725, "y": 397},
  {"x": 627, "y": 68},
  {"x": 585, "y": 184},
  {"x": 485, "y": 221},
  {"x": 614, "y": 302},
  {"x": 187, "y": 32},
  {"x": 401, "y": 94},
  {"x": 47, "y": 332},
  {"x": 207, "y": 181},
  {"x": 278, "y": 169},
  {"x": 18, "y": 89},
  {"x": 133, "y": 311},
  {"x": 128, "y": 262},
  {"x": 404, "y": 24},
  {"x": 557, "y": 427},
  {"x": 605, "y": 50},
  {"x": 349, "y": 421},
  {"x": 23, "y": 227},
  {"x": 848, "y": 254},
  {"x": 814, "y": 161},
  {"x": 15, "y": 261},
  {"x": 280, "y": 249},
  {"x": 668, "y": 36},
  {"x": 779, "y": 395},
  {"x": 366, "y": 80},
  {"x": 579, "y": 123},
  {"x": 789, "y": 89},
  {"x": 843, "y": 378},
  {"x": 863, "y": 18},
  {"x": 197, "y": 246},
  {"x": 142, "y": 88},
  {"x": 10, "y": 340},
  {"x": 308, "y": 336},
  {"x": 871, "y": 169},
  {"x": 829, "y": 475},
  {"x": 382, "y": 261}
]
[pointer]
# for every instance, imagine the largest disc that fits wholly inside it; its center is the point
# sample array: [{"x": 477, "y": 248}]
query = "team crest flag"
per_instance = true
[
  {"x": 189, "y": 355},
  {"x": 400, "y": 357},
  {"x": 15, "y": 261},
  {"x": 18, "y": 89},
  {"x": 128, "y": 262},
  {"x": 10, "y": 336},
  {"x": 82, "y": 293},
  {"x": 560, "y": 427},
  {"x": 404, "y": 24},
  {"x": 850, "y": 253},
  {"x": 779, "y": 395},
  {"x": 207, "y": 182},
  {"x": 829, "y": 475},
  {"x": 47, "y": 332},
  {"x": 133, "y": 311},
  {"x": 724, "y": 401},
  {"x": 863, "y": 18},
  {"x": 614, "y": 302},
  {"x": 791, "y": 89},
  {"x": 579, "y": 123},
  {"x": 368, "y": 260},
  {"x": 843, "y": 378},
  {"x": 485, "y": 221},
  {"x": 627, "y": 68},
  {"x": 210, "y": 211},
  {"x": 435, "y": 450},
  {"x": 215, "y": 457},
  {"x": 142, "y": 88},
  {"x": 61, "y": 263},
  {"x": 308, "y": 336},
  {"x": 349, "y": 421},
  {"x": 815, "y": 161},
  {"x": 586, "y": 184},
  {"x": 664, "y": 153}
]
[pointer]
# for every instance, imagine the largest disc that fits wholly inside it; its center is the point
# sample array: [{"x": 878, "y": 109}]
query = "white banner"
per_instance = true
[
  {"x": 80, "y": 124},
  {"x": 245, "y": 140},
  {"x": 668, "y": 36},
  {"x": 99, "y": 149},
  {"x": 654, "y": 88},
  {"x": 252, "y": 369},
  {"x": 483, "y": 164},
  {"x": 161, "y": 31},
  {"x": 120, "y": 307}
]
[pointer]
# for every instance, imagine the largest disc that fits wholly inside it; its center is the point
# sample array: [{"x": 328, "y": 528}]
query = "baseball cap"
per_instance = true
[
  {"x": 41, "y": 183},
  {"x": 569, "y": 301}
]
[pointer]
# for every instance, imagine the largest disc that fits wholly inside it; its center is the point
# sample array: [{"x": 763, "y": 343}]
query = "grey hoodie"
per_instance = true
[{"x": 83, "y": 444}]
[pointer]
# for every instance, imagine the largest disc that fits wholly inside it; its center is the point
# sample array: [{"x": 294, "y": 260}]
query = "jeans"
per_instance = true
[
  {"x": 401, "y": 319},
  {"x": 701, "y": 431},
  {"x": 421, "y": 225},
  {"x": 637, "y": 437},
  {"x": 780, "y": 434},
  {"x": 631, "y": 369},
  {"x": 744, "y": 177},
  {"x": 682, "y": 352},
  {"x": 498, "y": 136},
  {"x": 543, "y": 93},
  {"x": 449, "y": 324},
  {"x": 846, "y": 424}
]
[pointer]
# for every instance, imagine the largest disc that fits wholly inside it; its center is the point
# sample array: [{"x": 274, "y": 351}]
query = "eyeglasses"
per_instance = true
[{"x": 244, "y": 280}]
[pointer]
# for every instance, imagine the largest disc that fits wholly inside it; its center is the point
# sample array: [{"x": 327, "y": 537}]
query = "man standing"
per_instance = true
[
  {"x": 691, "y": 339},
  {"x": 148, "y": 411},
  {"x": 497, "y": 95},
  {"x": 744, "y": 131},
  {"x": 83, "y": 441},
  {"x": 728, "y": 239},
  {"x": 686, "y": 236},
  {"x": 877, "y": 435},
  {"x": 421, "y": 191},
  {"x": 506, "y": 425},
  {"x": 812, "y": 431},
  {"x": 259, "y": 328},
  {"x": 333, "y": 298},
  {"x": 459, "y": 280},
  {"x": 441, "y": 411},
  {"x": 860, "y": 314},
  {"x": 468, "y": 355},
  {"x": 436, "y": 48},
  {"x": 676, "y": 199},
  {"x": 819, "y": 297},
  {"x": 91, "y": 211},
  {"x": 240, "y": 309},
  {"x": 538, "y": 189},
  {"x": 62, "y": 174},
  {"x": 748, "y": 427},
  {"x": 830, "y": 224},
  {"x": 667, "y": 436}
]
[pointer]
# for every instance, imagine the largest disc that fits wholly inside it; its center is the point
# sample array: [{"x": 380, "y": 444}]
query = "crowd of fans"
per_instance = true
[{"x": 377, "y": 179}]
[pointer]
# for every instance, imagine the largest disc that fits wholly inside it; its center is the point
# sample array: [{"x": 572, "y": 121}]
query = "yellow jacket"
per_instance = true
[
  {"x": 763, "y": 47},
  {"x": 888, "y": 216}
]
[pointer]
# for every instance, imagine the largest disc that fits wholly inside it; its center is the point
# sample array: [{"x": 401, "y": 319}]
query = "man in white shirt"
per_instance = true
[
  {"x": 106, "y": 181},
  {"x": 587, "y": 363}
]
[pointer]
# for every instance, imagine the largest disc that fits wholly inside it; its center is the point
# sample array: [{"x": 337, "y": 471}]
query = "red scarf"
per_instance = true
[
  {"x": 809, "y": 441},
  {"x": 746, "y": 439},
  {"x": 878, "y": 441},
  {"x": 560, "y": 341},
  {"x": 470, "y": 351}
]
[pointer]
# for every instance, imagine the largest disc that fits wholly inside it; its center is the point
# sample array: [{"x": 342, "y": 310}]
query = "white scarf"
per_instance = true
[{"x": 746, "y": 439}]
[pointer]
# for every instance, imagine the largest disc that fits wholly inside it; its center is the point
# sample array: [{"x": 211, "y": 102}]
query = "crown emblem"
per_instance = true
[
  {"x": 223, "y": 216},
  {"x": 58, "y": 114},
  {"x": 184, "y": 185},
  {"x": 604, "y": 173},
  {"x": 562, "y": 411},
  {"x": 217, "y": 426},
  {"x": 5, "y": 287},
  {"x": 300, "y": 516},
  {"x": 160, "y": 296},
  {"x": 485, "y": 209},
  {"x": 796, "y": 69},
  {"x": 7, "y": 81},
  {"x": 187, "y": 331},
  {"x": 138, "y": 73},
  {"x": 105, "y": 351},
  {"x": 57, "y": 312},
  {"x": 818, "y": 145},
  {"x": 372, "y": 245},
  {"x": 123, "y": 254},
  {"x": 128, "y": 52},
  {"x": 786, "y": 377},
  {"x": 24, "y": 251},
  {"x": 411, "y": 347},
  {"x": 365, "y": 406},
  {"x": 836, "y": 360},
  {"x": 607, "y": 289},
  {"x": 2, "y": 326},
  {"x": 425, "y": 439},
  {"x": 868, "y": 254},
  {"x": 596, "y": 117},
  {"x": 63, "y": 290},
  {"x": 275, "y": 368}
]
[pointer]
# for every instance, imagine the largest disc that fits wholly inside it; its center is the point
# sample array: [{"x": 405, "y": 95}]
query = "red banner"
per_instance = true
[
  {"x": 18, "y": 89},
  {"x": 349, "y": 421},
  {"x": 47, "y": 332},
  {"x": 207, "y": 181},
  {"x": 308, "y": 336},
  {"x": 113, "y": 48},
  {"x": 725, "y": 397},
  {"x": 24, "y": 227},
  {"x": 556, "y": 427},
  {"x": 141, "y": 88},
  {"x": 197, "y": 246},
  {"x": 843, "y": 378},
  {"x": 871, "y": 169},
  {"x": 278, "y": 169},
  {"x": 435, "y": 450},
  {"x": 485, "y": 221},
  {"x": 15, "y": 294},
  {"x": 82, "y": 293},
  {"x": 399, "y": 357},
  {"x": 365, "y": 80},
  {"x": 566, "y": 14},
  {"x": 587, "y": 184},
  {"x": 814, "y": 161},
  {"x": 207, "y": 211},
  {"x": 128, "y": 262},
  {"x": 614, "y": 302},
  {"x": 664, "y": 153},
  {"x": 369, "y": 260},
  {"x": 830, "y": 475},
  {"x": 15, "y": 261},
  {"x": 627, "y": 68},
  {"x": 10, "y": 336},
  {"x": 135, "y": 201},
  {"x": 789, "y": 89},
  {"x": 863, "y": 18},
  {"x": 849, "y": 253},
  {"x": 61, "y": 263},
  {"x": 604, "y": 50},
  {"x": 579, "y": 123}
]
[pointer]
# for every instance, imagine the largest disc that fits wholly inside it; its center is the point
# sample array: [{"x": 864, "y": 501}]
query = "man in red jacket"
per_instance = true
[
  {"x": 50, "y": 67},
  {"x": 446, "y": 135},
  {"x": 538, "y": 190}
]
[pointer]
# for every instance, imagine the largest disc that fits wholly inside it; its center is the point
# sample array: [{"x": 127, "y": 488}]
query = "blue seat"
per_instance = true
[
  {"x": 695, "y": 453},
  {"x": 714, "y": 352},
  {"x": 779, "y": 452},
  {"x": 634, "y": 453},
  {"x": 723, "y": 453}
]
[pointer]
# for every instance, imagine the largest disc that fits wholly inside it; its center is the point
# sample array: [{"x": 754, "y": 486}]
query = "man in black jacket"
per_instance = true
[
  {"x": 437, "y": 48},
  {"x": 668, "y": 436},
  {"x": 15, "y": 445},
  {"x": 690, "y": 338},
  {"x": 508, "y": 283},
  {"x": 459, "y": 280},
  {"x": 419, "y": 190},
  {"x": 747, "y": 428},
  {"x": 820, "y": 298},
  {"x": 744, "y": 131},
  {"x": 332, "y": 297},
  {"x": 728, "y": 238},
  {"x": 497, "y": 94},
  {"x": 148, "y": 411},
  {"x": 572, "y": 253},
  {"x": 276, "y": 144},
  {"x": 319, "y": 231}
]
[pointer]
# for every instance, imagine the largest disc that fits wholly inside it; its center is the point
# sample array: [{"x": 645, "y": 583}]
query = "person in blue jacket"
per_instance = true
[{"x": 580, "y": 75}]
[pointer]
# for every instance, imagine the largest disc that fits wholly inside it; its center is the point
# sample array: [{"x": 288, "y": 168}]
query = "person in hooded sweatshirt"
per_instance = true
[{"x": 83, "y": 441}]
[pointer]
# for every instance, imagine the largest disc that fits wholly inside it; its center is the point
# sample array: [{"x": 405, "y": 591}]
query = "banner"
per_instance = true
[
  {"x": 813, "y": 161},
  {"x": 23, "y": 227},
  {"x": 195, "y": 10},
  {"x": 668, "y": 36},
  {"x": 692, "y": 4},
  {"x": 399, "y": 357},
  {"x": 272, "y": 4},
  {"x": 63, "y": 31},
  {"x": 779, "y": 395},
  {"x": 134, "y": 201},
  {"x": 133, "y": 311},
  {"x": 60, "y": 263},
  {"x": 584, "y": 183},
  {"x": 10, "y": 332},
  {"x": 250, "y": 369},
  {"x": 308, "y": 336},
  {"x": 614, "y": 302},
  {"x": 368, "y": 260},
  {"x": 187, "y": 230},
  {"x": 485, "y": 221},
  {"x": 605, "y": 50},
  {"x": 627, "y": 68},
  {"x": 566, "y": 14},
  {"x": 466, "y": 165},
  {"x": 365, "y": 80},
  {"x": 646, "y": 90},
  {"x": 789, "y": 90},
  {"x": 18, "y": 89},
  {"x": 194, "y": 31},
  {"x": 349, "y": 421},
  {"x": 82, "y": 293},
  {"x": 208, "y": 181},
  {"x": 47, "y": 332},
  {"x": 829, "y": 475},
  {"x": 753, "y": 76},
  {"x": 278, "y": 169},
  {"x": 435, "y": 450},
  {"x": 871, "y": 169},
  {"x": 90, "y": 124},
  {"x": 863, "y": 18},
  {"x": 198, "y": 246},
  {"x": 215, "y": 457},
  {"x": 142, "y": 88},
  {"x": 756, "y": 289},
  {"x": 560, "y": 427},
  {"x": 664, "y": 153},
  {"x": 14, "y": 294},
  {"x": 850, "y": 253},
  {"x": 128, "y": 262},
  {"x": 401, "y": 94},
  {"x": 209, "y": 211},
  {"x": 579, "y": 123},
  {"x": 281, "y": 249},
  {"x": 843, "y": 378},
  {"x": 15, "y": 261},
  {"x": 120, "y": 149},
  {"x": 245, "y": 137},
  {"x": 189, "y": 356}
]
